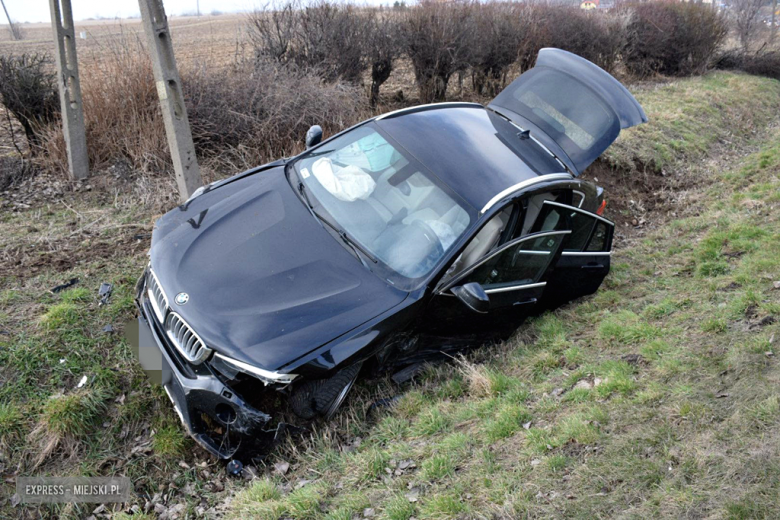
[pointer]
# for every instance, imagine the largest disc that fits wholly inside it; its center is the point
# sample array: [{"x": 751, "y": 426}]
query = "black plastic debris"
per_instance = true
[
  {"x": 105, "y": 292},
  {"x": 408, "y": 373},
  {"x": 234, "y": 468},
  {"x": 108, "y": 329},
  {"x": 387, "y": 402},
  {"x": 62, "y": 287}
]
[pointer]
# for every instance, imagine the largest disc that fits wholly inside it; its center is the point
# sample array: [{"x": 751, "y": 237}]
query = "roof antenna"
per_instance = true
[{"x": 525, "y": 134}]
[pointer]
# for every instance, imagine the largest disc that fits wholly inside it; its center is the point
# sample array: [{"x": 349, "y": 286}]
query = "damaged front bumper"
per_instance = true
[{"x": 212, "y": 412}]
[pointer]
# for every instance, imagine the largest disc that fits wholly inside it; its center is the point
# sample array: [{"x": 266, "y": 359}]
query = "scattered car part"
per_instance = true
[
  {"x": 62, "y": 287},
  {"x": 408, "y": 373},
  {"x": 234, "y": 468},
  {"x": 386, "y": 402},
  {"x": 104, "y": 292}
]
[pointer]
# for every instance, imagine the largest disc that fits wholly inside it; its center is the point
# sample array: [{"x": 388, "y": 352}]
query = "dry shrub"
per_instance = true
[
  {"x": 762, "y": 63},
  {"x": 121, "y": 111},
  {"x": 323, "y": 36},
  {"x": 241, "y": 114},
  {"x": 675, "y": 39},
  {"x": 338, "y": 41},
  {"x": 260, "y": 111},
  {"x": 596, "y": 36},
  {"x": 501, "y": 29},
  {"x": 439, "y": 39},
  {"x": 382, "y": 46},
  {"x": 28, "y": 91},
  {"x": 273, "y": 31},
  {"x": 331, "y": 40}
]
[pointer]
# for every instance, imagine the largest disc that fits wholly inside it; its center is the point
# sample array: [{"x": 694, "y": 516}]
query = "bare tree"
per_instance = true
[
  {"x": 746, "y": 20},
  {"x": 382, "y": 46},
  {"x": 272, "y": 30},
  {"x": 438, "y": 38}
]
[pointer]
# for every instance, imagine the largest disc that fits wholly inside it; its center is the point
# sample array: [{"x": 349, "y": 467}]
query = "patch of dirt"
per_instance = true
[
  {"x": 642, "y": 200},
  {"x": 65, "y": 254},
  {"x": 46, "y": 240}
]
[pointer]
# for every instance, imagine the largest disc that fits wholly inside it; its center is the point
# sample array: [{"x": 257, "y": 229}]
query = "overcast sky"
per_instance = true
[{"x": 38, "y": 10}]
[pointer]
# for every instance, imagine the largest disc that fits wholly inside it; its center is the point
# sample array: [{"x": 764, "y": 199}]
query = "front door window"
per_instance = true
[{"x": 519, "y": 263}]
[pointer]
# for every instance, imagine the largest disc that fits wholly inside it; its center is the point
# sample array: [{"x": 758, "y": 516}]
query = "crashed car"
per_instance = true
[{"x": 411, "y": 233}]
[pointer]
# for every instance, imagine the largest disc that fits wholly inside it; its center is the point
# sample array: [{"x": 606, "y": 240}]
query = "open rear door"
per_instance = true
[
  {"x": 585, "y": 257},
  {"x": 571, "y": 106}
]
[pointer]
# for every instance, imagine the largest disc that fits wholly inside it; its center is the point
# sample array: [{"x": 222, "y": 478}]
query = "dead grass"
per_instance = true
[{"x": 241, "y": 113}]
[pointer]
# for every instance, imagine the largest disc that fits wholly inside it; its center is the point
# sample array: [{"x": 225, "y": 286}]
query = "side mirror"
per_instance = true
[
  {"x": 313, "y": 136},
  {"x": 473, "y": 296}
]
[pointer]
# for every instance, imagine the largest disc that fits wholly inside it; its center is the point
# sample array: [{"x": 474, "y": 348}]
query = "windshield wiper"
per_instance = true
[
  {"x": 355, "y": 245},
  {"x": 351, "y": 242},
  {"x": 305, "y": 197}
]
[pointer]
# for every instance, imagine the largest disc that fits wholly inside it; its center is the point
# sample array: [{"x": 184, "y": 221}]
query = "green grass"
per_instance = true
[
  {"x": 398, "y": 507},
  {"x": 658, "y": 396},
  {"x": 689, "y": 117},
  {"x": 171, "y": 441},
  {"x": 73, "y": 414}
]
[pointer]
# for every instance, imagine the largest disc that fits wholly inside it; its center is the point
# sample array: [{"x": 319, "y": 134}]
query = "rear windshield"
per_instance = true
[{"x": 566, "y": 110}]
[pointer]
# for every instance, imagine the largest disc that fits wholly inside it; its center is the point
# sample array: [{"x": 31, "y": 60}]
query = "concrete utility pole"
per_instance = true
[
  {"x": 177, "y": 126},
  {"x": 70, "y": 88},
  {"x": 15, "y": 33}
]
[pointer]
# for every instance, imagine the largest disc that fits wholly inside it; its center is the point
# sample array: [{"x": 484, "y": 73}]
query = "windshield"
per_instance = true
[{"x": 386, "y": 201}]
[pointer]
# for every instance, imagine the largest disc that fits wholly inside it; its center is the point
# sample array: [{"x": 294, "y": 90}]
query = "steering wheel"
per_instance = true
[{"x": 427, "y": 231}]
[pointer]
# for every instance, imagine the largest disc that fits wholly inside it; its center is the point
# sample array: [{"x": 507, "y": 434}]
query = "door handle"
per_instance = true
[
  {"x": 593, "y": 267},
  {"x": 524, "y": 302}
]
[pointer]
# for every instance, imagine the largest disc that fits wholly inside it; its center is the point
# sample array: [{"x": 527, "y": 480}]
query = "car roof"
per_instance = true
[{"x": 475, "y": 151}]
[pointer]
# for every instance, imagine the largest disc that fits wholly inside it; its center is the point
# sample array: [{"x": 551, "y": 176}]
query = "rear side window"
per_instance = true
[
  {"x": 588, "y": 233},
  {"x": 558, "y": 218},
  {"x": 599, "y": 240}
]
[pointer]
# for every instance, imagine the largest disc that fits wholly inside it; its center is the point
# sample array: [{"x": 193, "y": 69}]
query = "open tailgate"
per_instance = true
[{"x": 571, "y": 106}]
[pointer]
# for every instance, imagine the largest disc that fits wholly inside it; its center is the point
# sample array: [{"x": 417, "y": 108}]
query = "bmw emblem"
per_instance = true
[{"x": 182, "y": 298}]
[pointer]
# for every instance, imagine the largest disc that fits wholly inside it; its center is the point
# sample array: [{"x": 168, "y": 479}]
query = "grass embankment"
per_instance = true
[
  {"x": 691, "y": 117},
  {"x": 658, "y": 395}
]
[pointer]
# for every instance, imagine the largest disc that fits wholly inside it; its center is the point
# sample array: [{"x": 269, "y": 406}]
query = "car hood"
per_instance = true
[{"x": 267, "y": 283}]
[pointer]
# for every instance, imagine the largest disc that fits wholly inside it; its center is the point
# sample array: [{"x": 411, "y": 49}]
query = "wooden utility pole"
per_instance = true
[
  {"x": 166, "y": 75},
  {"x": 70, "y": 88}
]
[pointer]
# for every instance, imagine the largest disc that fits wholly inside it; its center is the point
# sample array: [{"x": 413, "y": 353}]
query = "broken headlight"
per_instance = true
[{"x": 230, "y": 367}]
